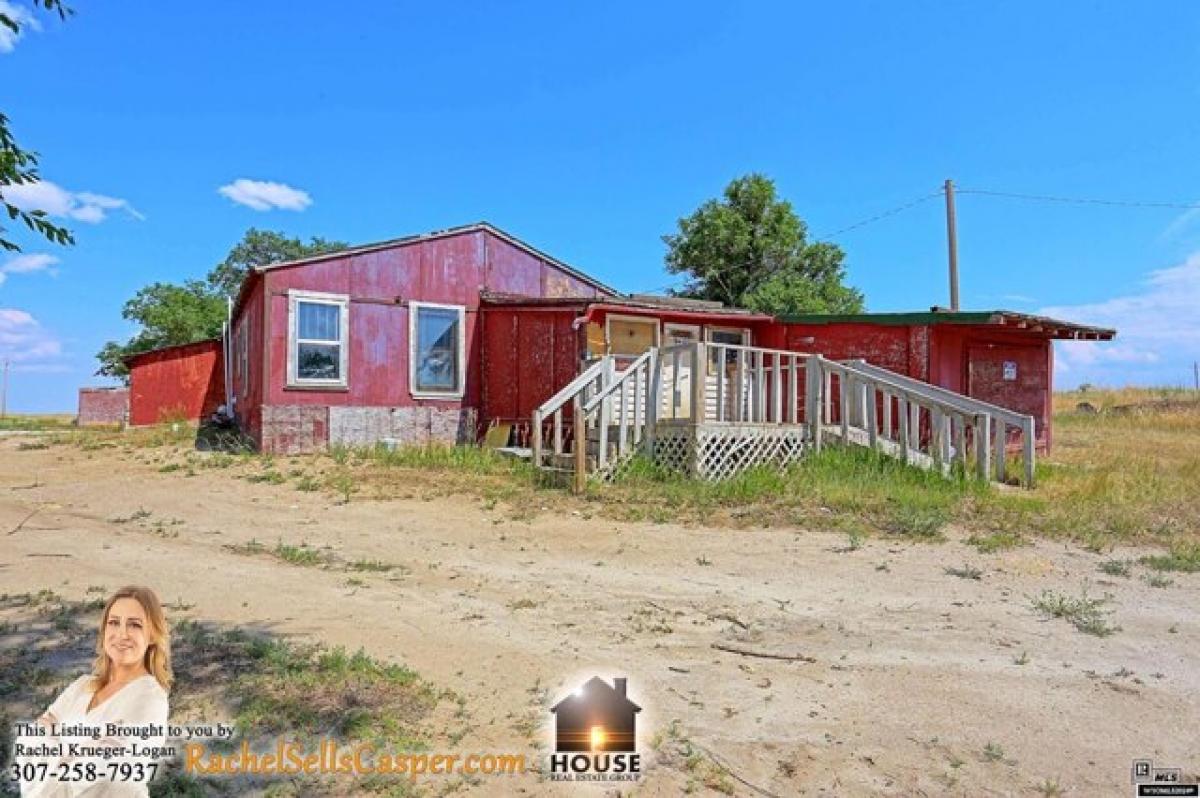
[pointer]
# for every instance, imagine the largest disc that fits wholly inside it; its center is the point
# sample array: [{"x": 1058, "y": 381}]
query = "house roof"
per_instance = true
[
  {"x": 128, "y": 360},
  {"x": 447, "y": 233},
  {"x": 673, "y": 306},
  {"x": 1009, "y": 319}
]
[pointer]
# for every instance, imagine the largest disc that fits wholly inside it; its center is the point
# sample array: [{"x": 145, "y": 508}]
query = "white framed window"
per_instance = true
[
  {"x": 630, "y": 335},
  {"x": 318, "y": 340},
  {"x": 437, "y": 350},
  {"x": 680, "y": 333}
]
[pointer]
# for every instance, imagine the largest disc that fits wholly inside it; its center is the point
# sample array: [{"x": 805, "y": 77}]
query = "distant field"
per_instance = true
[{"x": 30, "y": 421}]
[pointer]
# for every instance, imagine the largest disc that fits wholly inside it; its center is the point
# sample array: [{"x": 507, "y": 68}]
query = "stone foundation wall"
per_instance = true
[{"x": 295, "y": 429}]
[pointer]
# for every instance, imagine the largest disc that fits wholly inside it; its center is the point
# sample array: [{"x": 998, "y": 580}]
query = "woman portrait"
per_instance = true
[{"x": 128, "y": 685}]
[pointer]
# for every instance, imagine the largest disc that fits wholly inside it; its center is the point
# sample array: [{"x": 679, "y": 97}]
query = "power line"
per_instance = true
[
  {"x": 1080, "y": 200},
  {"x": 879, "y": 216}
]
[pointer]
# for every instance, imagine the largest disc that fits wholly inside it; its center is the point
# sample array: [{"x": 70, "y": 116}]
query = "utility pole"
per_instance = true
[
  {"x": 1196, "y": 373},
  {"x": 952, "y": 242},
  {"x": 4, "y": 392}
]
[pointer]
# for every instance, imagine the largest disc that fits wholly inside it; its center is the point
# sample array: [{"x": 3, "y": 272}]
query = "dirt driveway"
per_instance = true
[{"x": 922, "y": 682}]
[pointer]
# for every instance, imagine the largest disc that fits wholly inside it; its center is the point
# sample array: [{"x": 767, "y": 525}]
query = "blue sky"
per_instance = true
[{"x": 588, "y": 130}]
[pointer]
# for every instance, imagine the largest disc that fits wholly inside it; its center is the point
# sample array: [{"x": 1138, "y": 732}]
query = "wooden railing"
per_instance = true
[
  {"x": 917, "y": 422},
  {"x": 618, "y": 403}
]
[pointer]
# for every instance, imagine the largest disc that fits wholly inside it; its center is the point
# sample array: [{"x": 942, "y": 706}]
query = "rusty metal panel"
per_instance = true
[
  {"x": 501, "y": 371},
  {"x": 102, "y": 406}
]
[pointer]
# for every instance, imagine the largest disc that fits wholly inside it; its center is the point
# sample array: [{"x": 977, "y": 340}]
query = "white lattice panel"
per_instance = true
[{"x": 716, "y": 452}]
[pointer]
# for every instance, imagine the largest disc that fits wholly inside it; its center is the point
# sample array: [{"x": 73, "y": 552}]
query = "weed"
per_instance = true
[
  {"x": 919, "y": 522},
  {"x": 1049, "y": 788},
  {"x": 250, "y": 547},
  {"x": 523, "y": 604},
  {"x": 378, "y": 566},
  {"x": 854, "y": 540},
  {"x": 702, "y": 560},
  {"x": 303, "y": 554},
  {"x": 966, "y": 572},
  {"x": 344, "y": 484},
  {"x": 1158, "y": 580},
  {"x": 1183, "y": 557},
  {"x": 138, "y": 515},
  {"x": 169, "y": 467},
  {"x": 1085, "y": 614},
  {"x": 993, "y": 542},
  {"x": 1022, "y": 660},
  {"x": 307, "y": 483},
  {"x": 1116, "y": 567},
  {"x": 30, "y": 446},
  {"x": 992, "y": 752},
  {"x": 269, "y": 476}
]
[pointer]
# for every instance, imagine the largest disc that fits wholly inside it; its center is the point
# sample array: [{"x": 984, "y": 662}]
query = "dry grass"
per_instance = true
[{"x": 1114, "y": 477}]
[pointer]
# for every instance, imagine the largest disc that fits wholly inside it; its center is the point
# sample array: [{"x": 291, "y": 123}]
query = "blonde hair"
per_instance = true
[{"x": 158, "y": 654}]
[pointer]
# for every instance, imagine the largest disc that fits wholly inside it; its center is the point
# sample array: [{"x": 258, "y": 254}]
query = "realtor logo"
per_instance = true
[
  {"x": 1150, "y": 780},
  {"x": 595, "y": 734}
]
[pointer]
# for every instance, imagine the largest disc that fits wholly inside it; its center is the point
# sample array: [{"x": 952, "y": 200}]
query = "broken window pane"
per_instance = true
[{"x": 318, "y": 361}]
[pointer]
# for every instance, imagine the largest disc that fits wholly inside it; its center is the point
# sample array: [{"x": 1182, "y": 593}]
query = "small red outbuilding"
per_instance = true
[{"x": 176, "y": 383}]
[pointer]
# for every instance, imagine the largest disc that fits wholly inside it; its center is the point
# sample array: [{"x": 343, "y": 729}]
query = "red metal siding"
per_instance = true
[
  {"x": 529, "y": 354},
  {"x": 181, "y": 382}
]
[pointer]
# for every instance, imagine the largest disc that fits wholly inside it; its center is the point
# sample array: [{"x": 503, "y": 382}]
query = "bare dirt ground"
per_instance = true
[{"x": 924, "y": 683}]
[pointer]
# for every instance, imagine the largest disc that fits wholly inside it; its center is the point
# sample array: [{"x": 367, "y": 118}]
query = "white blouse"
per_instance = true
[{"x": 143, "y": 701}]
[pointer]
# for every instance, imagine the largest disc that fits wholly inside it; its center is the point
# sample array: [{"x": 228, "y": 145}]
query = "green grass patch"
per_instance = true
[
  {"x": 1183, "y": 557},
  {"x": 303, "y": 555},
  {"x": 1000, "y": 540},
  {"x": 282, "y": 687},
  {"x": 1116, "y": 567}
]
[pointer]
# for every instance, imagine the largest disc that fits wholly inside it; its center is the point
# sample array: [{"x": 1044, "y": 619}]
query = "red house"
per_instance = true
[
  {"x": 437, "y": 337},
  {"x": 379, "y": 341}
]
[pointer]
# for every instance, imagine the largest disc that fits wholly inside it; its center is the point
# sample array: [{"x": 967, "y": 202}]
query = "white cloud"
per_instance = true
[
  {"x": 23, "y": 340},
  {"x": 27, "y": 264},
  {"x": 83, "y": 206},
  {"x": 1158, "y": 332},
  {"x": 263, "y": 195},
  {"x": 24, "y": 20}
]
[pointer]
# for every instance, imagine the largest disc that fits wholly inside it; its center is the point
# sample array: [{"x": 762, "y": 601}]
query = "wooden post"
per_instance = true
[
  {"x": 1001, "y": 443},
  {"x": 558, "y": 432},
  {"x": 914, "y": 425},
  {"x": 581, "y": 442},
  {"x": 698, "y": 383},
  {"x": 952, "y": 243},
  {"x": 720, "y": 355},
  {"x": 983, "y": 452},
  {"x": 887, "y": 415},
  {"x": 872, "y": 435},
  {"x": 1029, "y": 437},
  {"x": 536, "y": 445},
  {"x": 760, "y": 387},
  {"x": 935, "y": 437},
  {"x": 814, "y": 402},
  {"x": 903, "y": 438},
  {"x": 844, "y": 405},
  {"x": 827, "y": 393},
  {"x": 793, "y": 382},
  {"x": 739, "y": 392},
  {"x": 623, "y": 418},
  {"x": 675, "y": 363},
  {"x": 959, "y": 430},
  {"x": 776, "y": 389},
  {"x": 653, "y": 401},
  {"x": 639, "y": 401}
]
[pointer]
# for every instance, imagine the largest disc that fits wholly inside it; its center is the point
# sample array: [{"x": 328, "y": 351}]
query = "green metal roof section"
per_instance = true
[{"x": 1009, "y": 319}]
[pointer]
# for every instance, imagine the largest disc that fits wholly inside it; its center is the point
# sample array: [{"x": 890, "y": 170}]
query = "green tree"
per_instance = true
[
  {"x": 171, "y": 314},
  {"x": 258, "y": 248},
  {"x": 18, "y": 166},
  {"x": 750, "y": 249}
]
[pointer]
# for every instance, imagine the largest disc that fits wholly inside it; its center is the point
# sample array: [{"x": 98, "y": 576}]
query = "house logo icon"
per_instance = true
[{"x": 595, "y": 733}]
